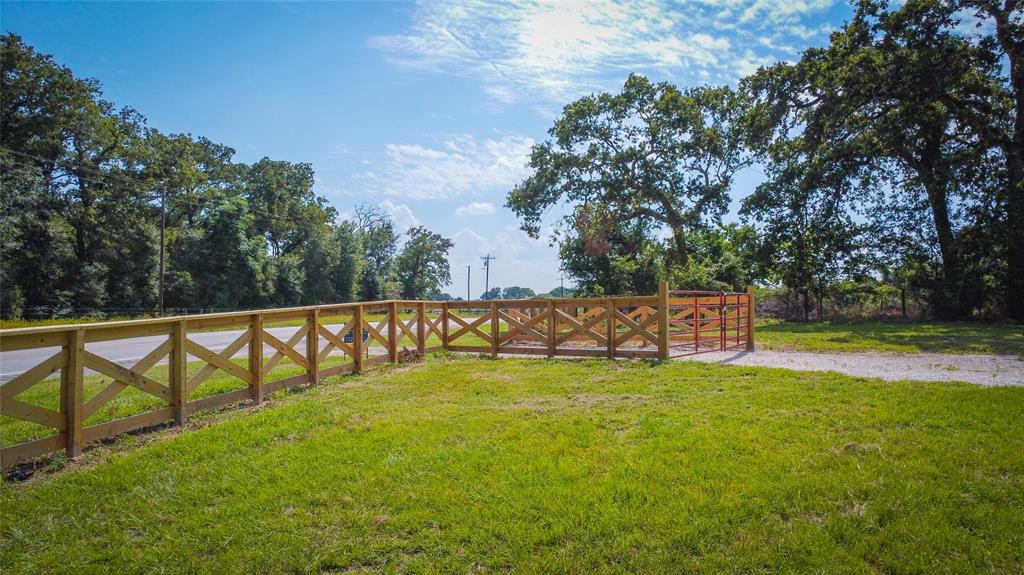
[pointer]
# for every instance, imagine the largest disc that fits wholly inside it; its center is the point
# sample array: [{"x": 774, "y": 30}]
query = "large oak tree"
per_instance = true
[{"x": 651, "y": 151}]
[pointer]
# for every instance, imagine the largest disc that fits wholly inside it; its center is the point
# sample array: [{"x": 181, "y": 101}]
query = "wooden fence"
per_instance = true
[{"x": 329, "y": 340}]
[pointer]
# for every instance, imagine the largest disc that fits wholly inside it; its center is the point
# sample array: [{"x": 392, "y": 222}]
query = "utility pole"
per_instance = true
[
  {"x": 163, "y": 224},
  {"x": 469, "y": 273},
  {"x": 487, "y": 272}
]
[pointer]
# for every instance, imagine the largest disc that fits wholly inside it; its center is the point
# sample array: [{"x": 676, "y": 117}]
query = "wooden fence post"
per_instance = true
[
  {"x": 73, "y": 380},
  {"x": 357, "y": 339},
  {"x": 662, "y": 320},
  {"x": 609, "y": 311},
  {"x": 256, "y": 358},
  {"x": 421, "y": 319},
  {"x": 393, "y": 332},
  {"x": 444, "y": 325},
  {"x": 552, "y": 329},
  {"x": 313, "y": 346},
  {"x": 179, "y": 371},
  {"x": 750, "y": 318},
  {"x": 494, "y": 329}
]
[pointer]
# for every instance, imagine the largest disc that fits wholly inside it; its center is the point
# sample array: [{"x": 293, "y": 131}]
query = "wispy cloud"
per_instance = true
[
  {"x": 557, "y": 50},
  {"x": 475, "y": 209},
  {"x": 459, "y": 165}
]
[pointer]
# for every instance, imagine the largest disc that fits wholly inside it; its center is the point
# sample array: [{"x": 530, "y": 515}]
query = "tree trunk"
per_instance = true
[
  {"x": 807, "y": 305},
  {"x": 679, "y": 239},
  {"x": 903, "y": 302},
  {"x": 84, "y": 224},
  {"x": 675, "y": 222},
  {"x": 1014, "y": 233},
  {"x": 1012, "y": 44},
  {"x": 946, "y": 301}
]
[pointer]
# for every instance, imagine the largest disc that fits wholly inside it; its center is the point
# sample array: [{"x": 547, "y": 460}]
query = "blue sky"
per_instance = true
[{"x": 428, "y": 110}]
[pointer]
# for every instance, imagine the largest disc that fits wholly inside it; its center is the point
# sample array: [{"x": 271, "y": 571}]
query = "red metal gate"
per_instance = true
[{"x": 705, "y": 321}]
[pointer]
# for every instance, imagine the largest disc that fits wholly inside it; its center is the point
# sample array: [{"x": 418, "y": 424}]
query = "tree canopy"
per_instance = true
[
  {"x": 651, "y": 152},
  {"x": 893, "y": 154},
  {"x": 81, "y": 185}
]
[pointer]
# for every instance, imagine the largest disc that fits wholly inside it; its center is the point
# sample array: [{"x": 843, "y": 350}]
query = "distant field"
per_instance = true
[
  {"x": 901, "y": 337},
  {"x": 488, "y": 466},
  {"x": 15, "y": 323}
]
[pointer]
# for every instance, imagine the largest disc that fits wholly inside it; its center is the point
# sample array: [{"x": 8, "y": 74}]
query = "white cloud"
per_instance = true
[
  {"x": 558, "y": 50},
  {"x": 750, "y": 62},
  {"x": 460, "y": 165},
  {"x": 475, "y": 209},
  {"x": 469, "y": 245},
  {"x": 783, "y": 11},
  {"x": 400, "y": 214}
]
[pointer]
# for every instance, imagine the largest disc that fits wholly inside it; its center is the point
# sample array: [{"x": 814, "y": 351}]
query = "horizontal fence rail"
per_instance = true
[{"x": 63, "y": 383}]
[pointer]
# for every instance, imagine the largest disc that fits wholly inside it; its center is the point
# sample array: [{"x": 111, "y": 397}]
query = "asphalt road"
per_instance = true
[{"x": 127, "y": 351}]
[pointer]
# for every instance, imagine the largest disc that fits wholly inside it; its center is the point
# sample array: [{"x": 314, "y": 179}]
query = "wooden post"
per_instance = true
[
  {"x": 662, "y": 320},
  {"x": 750, "y": 318},
  {"x": 609, "y": 324},
  {"x": 179, "y": 371},
  {"x": 739, "y": 315},
  {"x": 698, "y": 322},
  {"x": 552, "y": 329},
  {"x": 494, "y": 329},
  {"x": 313, "y": 346},
  {"x": 421, "y": 324},
  {"x": 73, "y": 380},
  {"x": 357, "y": 340},
  {"x": 444, "y": 325},
  {"x": 256, "y": 358},
  {"x": 721, "y": 322},
  {"x": 393, "y": 332}
]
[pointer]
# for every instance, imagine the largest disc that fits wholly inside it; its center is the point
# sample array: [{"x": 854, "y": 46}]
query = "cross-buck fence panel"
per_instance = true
[{"x": 78, "y": 385}]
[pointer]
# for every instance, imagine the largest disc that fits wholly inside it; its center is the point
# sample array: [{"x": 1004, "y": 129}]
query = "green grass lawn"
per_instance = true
[
  {"x": 480, "y": 466},
  {"x": 900, "y": 337}
]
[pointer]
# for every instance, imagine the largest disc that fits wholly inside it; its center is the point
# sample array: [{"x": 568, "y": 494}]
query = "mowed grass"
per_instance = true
[
  {"x": 482, "y": 466},
  {"x": 899, "y": 337}
]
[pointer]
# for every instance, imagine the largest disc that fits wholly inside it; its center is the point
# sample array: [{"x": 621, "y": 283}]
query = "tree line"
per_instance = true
[
  {"x": 82, "y": 184},
  {"x": 892, "y": 157}
]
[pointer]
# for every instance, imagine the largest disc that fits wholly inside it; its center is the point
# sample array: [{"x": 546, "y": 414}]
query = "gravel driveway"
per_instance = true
[{"x": 987, "y": 370}]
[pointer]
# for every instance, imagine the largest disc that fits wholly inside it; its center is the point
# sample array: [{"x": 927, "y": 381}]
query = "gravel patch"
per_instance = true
[{"x": 987, "y": 370}]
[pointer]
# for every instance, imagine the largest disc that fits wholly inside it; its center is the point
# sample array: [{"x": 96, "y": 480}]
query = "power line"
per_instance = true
[{"x": 487, "y": 268}]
